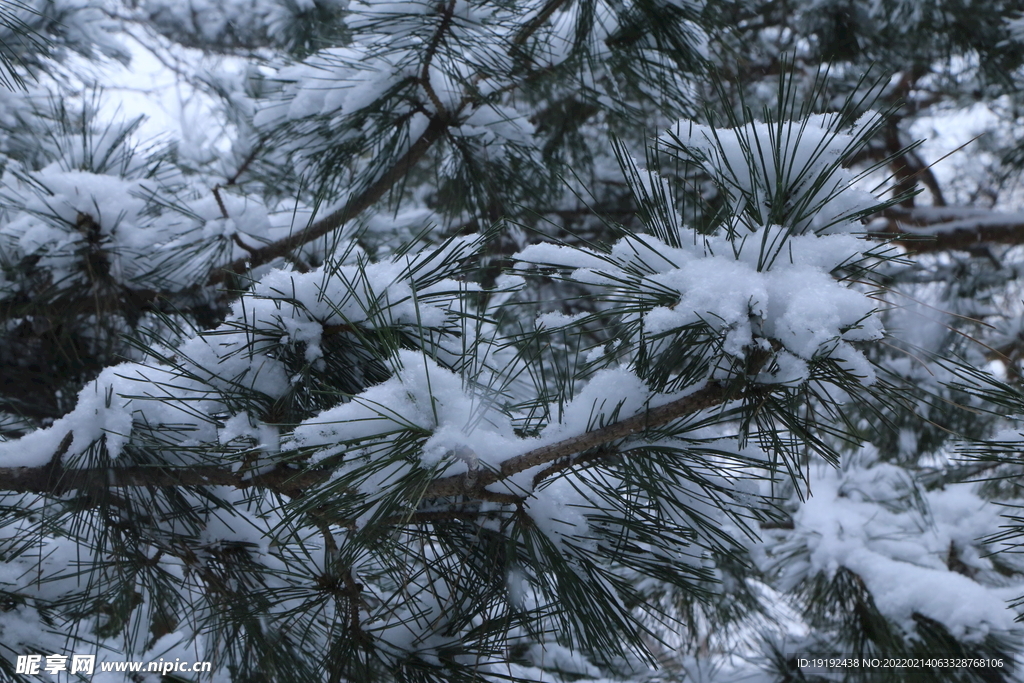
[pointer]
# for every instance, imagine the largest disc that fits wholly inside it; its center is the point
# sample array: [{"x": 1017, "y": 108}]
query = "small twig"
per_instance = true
[
  {"x": 238, "y": 240},
  {"x": 435, "y": 42},
  {"x": 233, "y": 180},
  {"x": 54, "y": 470},
  {"x": 220, "y": 202},
  {"x": 355, "y": 589},
  {"x": 539, "y": 20},
  {"x": 994, "y": 228}
]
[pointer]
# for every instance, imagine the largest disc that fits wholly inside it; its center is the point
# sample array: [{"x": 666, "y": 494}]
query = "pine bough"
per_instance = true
[{"x": 382, "y": 470}]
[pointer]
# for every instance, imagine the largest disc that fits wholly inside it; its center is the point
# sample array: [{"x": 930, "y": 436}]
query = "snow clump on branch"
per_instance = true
[{"x": 772, "y": 273}]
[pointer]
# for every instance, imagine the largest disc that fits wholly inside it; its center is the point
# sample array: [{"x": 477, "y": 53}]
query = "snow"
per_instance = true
[
  {"x": 115, "y": 208},
  {"x": 224, "y": 24},
  {"x": 49, "y": 224},
  {"x": 103, "y": 410},
  {"x": 865, "y": 518},
  {"x": 283, "y": 308},
  {"x": 754, "y": 280},
  {"x": 562, "y": 659},
  {"x": 800, "y": 305},
  {"x": 797, "y": 162},
  {"x": 494, "y": 123},
  {"x": 943, "y": 132},
  {"x": 420, "y": 395}
]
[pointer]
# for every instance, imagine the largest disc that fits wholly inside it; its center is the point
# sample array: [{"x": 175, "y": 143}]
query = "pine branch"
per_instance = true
[
  {"x": 438, "y": 126},
  {"x": 355, "y": 206},
  {"x": 369, "y": 196},
  {"x": 932, "y": 229},
  {"x": 55, "y": 480},
  {"x": 470, "y": 483}
]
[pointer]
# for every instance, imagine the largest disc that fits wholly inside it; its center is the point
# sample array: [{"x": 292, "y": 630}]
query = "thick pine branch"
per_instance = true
[
  {"x": 49, "y": 480},
  {"x": 933, "y": 229},
  {"x": 53, "y": 479}
]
